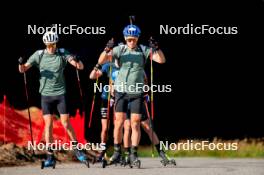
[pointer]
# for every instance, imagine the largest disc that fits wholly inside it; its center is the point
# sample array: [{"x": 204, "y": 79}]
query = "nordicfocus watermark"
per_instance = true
[
  {"x": 191, "y": 145},
  {"x": 191, "y": 29},
  {"x": 138, "y": 87},
  {"x": 67, "y": 30},
  {"x": 57, "y": 145}
]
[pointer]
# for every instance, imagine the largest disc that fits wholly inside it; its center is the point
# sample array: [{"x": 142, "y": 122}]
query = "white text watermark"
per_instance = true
[
  {"x": 191, "y": 145},
  {"x": 138, "y": 87},
  {"x": 191, "y": 29},
  {"x": 67, "y": 30},
  {"x": 59, "y": 145}
]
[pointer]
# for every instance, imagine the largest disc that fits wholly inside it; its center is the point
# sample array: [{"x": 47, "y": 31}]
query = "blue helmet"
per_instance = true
[{"x": 131, "y": 30}]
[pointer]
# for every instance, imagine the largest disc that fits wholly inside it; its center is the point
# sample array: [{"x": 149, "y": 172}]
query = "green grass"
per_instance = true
[{"x": 247, "y": 148}]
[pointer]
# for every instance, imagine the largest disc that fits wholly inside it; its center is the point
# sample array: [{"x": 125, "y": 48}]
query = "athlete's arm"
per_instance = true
[{"x": 104, "y": 57}]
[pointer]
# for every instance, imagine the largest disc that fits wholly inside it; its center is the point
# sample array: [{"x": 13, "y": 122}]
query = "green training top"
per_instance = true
[
  {"x": 51, "y": 68},
  {"x": 131, "y": 73}
]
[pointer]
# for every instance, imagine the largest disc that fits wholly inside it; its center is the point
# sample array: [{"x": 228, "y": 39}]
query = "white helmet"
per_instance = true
[{"x": 50, "y": 37}]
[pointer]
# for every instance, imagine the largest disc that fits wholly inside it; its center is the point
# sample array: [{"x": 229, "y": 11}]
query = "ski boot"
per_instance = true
[
  {"x": 166, "y": 160},
  {"x": 81, "y": 156},
  {"x": 134, "y": 161},
  {"x": 103, "y": 159},
  {"x": 116, "y": 158},
  {"x": 49, "y": 162},
  {"x": 104, "y": 162},
  {"x": 126, "y": 159}
]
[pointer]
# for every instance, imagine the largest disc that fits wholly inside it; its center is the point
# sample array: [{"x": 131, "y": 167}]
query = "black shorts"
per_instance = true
[
  {"x": 135, "y": 102},
  {"x": 144, "y": 115},
  {"x": 49, "y": 104}
]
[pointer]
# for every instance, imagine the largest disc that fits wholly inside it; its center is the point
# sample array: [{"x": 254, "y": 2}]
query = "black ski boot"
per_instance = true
[
  {"x": 126, "y": 160},
  {"x": 115, "y": 158},
  {"x": 49, "y": 162},
  {"x": 165, "y": 160},
  {"x": 81, "y": 156},
  {"x": 134, "y": 161}
]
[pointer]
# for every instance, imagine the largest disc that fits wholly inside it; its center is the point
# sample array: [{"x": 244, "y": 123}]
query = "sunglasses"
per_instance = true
[
  {"x": 51, "y": 45},
  {"x": 130, "y": 40}
]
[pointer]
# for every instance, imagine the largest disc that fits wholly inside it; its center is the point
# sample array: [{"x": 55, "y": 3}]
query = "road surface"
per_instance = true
[{"x": 150, "y": 166}]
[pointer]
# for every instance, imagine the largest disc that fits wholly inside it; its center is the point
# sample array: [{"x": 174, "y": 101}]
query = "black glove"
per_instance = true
[
  {"x": 110, "y": 45},
  {"x": 98, "y": 67},
  {"x": 20, "y": 61},
  {"x": 153, "y": 44},
  {"x": 76, "y": 58}
]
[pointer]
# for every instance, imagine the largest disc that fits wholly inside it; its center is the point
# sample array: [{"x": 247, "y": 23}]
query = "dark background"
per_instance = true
[{"x": 216, "y": 79}]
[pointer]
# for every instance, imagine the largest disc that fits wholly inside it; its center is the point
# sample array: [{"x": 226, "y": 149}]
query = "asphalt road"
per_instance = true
[{"x": 185, "y": 166}]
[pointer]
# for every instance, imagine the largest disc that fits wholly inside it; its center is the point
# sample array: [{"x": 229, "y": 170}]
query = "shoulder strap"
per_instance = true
[
  {"x": 60, "y": 51},
  {"x": 142, "y": 50},
  {"x": 122, "y": 51},
  {"x": 41, "y": 53}
]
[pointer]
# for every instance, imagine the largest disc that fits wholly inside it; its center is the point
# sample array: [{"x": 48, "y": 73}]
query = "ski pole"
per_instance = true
[
  {"x": 29, "y": 116},
  {"x": 151, "y": 83},
  {"x": 151, "y": 96},
  {"x": 131, "y": 19},
  {"x": 80, "y": 91},
  {"x": 109, "y": 93},
  {"x": 4, "y": 118},
  {"x": 80, "y": 88},
  {"x": 151, "y": 126},
  {"x": 92, "y": 107}
]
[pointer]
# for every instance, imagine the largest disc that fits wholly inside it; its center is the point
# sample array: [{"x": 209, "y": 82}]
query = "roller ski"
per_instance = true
[
  {"x": 81, "y": 156},
  {"x": 134, "y": 161},
  {"x": 166, "y": 160},
  {"x": 104, "y": 160},
  {"x": 49, "y": 162},
  {"x": 116, "y": 159},
  {"x": 126, "y": 159}
]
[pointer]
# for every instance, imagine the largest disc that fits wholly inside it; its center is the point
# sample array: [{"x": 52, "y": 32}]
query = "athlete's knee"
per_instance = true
[
  {"x": 119, "y": 122},
  {"x": 135, "y": 124},
  {"x": 127, "y": 129}
]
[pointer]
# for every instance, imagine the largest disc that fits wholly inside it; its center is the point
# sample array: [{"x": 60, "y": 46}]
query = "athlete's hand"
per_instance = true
[
  {"x": 153, "y": 44},
  {"x": 76, "y": 58},
  {"x": 97, "y": 67},
  {"x": 109, "y": 45},
  {"x": 20, "y": 61}
]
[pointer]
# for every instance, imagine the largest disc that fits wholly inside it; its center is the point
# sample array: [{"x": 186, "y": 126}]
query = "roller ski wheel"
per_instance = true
[
  {"x": 93, "y": 160},
  {"x": 126, "y": 161},
  {"x": 104, "y": 163},
  {"x": 115, "y": 159},
  {"x": 136, "y": 163},
  {"x": 81, "y": 156},
  {"x": 173, "y": 162},
  {"x": 168, "y": 162},
  {"x": 50, "y": 162},
  {"x": 86, "y": 162}
]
